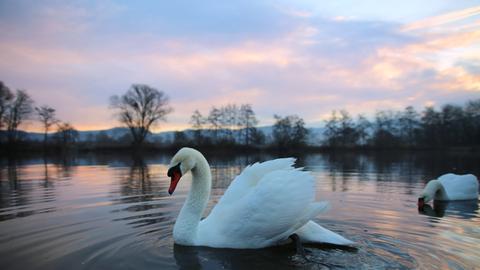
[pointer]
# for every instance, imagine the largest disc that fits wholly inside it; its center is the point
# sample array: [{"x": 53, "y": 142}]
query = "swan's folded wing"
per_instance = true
[
  {"x": 246, "y": 181},
  {"x": 275, "y": 208},
  {"x": 460, "y": 187}
]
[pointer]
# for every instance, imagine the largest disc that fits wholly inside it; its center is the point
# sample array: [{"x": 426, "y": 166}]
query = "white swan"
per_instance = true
[
  {"x": 450, "y": 187},
  {"x": 262, "y": 207}
]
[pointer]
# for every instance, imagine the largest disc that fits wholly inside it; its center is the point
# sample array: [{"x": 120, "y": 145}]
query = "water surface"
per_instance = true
[{"x": 114, "y": 212}]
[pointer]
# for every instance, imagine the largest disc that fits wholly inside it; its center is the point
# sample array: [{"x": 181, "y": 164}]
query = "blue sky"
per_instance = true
[{"x": 283, "y": 57}]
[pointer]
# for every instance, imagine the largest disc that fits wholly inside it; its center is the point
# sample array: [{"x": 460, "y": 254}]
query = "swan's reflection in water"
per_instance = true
[
  {"x": 461, "y": 209},
  {"x": 280, "y": 257},
  {"x": 192, "y": 258}
]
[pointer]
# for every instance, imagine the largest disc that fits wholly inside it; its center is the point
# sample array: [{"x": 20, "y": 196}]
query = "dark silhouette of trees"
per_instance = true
[
  {"x": 340, "y": 131},
  {"x": 6, "y": 97},
  {"x": 289, "y": 131},
  {"x": 230, "y": 117},
  {"x": 46, "y": 115},
  {"x": 385, "y": 129},
  {"x": 332, "y": 130},
  {"x": 66, "y": 135},
  {"x": 451, "y": 126},
  {"x": 472, "y": 115},
  {"x": 431, "y": 127},
  {"x": 214, "y": 120},
  {"x": 363, "y": 128},
  {"x": 197, "y": 121},
  {"x": 140, "y": 108},
  {"x": 247, "y": 121},
  {"x": 17, "y": 110},
  {"x": 230, "y": 124},
  {"x": 409, "y": 126}
]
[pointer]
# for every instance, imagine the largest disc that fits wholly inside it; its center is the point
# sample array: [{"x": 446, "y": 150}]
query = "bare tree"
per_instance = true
[
  {"x": 228, "y": 120},
  {"x": 214, "y": 119},
  {"x": 17, "y": 111},
  {"x": 140, "y": 108},
  {"x": 197, "y": 121},
  {"x": 247, "y": 121},
  {"x": 289, "y": 131},
  {"x": 46, "y": 115},
  {"x": 66, "y": 135},
  {"x": 409, "y": 123},
  {"x": 363, "y": 127},
  {"x": 6, "y": 97}
]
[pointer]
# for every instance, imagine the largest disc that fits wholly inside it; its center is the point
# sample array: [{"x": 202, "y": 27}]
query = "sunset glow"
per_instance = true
[{"x": 299, "y": 57}]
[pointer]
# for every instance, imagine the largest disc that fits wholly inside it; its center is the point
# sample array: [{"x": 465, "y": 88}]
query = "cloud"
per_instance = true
[
  {"x": 443, "y": 19},
  {"x": 74, "y": 56}
]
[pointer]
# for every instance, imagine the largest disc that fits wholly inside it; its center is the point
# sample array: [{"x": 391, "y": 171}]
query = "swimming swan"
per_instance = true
[
  {"x": 263, "y": 206},
  {"x": 450, "y": 187}
]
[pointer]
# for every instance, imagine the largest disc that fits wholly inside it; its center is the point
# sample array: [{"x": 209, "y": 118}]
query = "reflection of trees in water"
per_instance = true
[
  {"x": 389, "y": 166},
  {"x": 137, "y": 182},
  {"x": 46, "y": 175},
  {"x": 139, "y": 194},
  {"x": 31, "y": 182},
  {"x": 17, "y": 191},
  {"x": 136, "y": 186},
  {"x": 13, "y": 192},
  {"x": 65, "y": 165}
]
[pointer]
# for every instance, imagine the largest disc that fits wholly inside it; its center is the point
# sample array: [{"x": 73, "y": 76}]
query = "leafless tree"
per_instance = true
[
  {"x": 140, "y": 108},
  {"x": 6, "y": 97},
  {"x": 214, "y": 119},
  {"x": 197, "y": 121},
  {"x": 247, "y": 121},
  {"x": 66, "y": 134},
  {"x": 19, "y": 109},
  {"x": 46, "y": 115}
]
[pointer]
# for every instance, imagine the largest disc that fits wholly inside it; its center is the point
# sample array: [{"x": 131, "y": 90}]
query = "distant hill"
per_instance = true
[{"x": 315, "y": 135}]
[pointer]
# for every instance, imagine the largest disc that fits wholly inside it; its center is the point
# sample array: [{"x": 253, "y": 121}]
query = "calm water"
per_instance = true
[{"x": 114, "y": 212}]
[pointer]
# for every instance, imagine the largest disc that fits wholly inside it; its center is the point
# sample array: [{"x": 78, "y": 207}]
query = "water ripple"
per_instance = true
[{"x": 55, "y": 216}]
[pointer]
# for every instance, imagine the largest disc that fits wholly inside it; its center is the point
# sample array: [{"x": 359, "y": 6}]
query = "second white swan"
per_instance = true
[{"x": 263, "y": 206}]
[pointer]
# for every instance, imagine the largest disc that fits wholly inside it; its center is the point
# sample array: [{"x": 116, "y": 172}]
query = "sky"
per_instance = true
[{"x": 283, "y": 57}]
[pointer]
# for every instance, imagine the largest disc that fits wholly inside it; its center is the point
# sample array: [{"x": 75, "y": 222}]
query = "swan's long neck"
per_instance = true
[
  {"x": 186, "y": 226},
  {"x": 435, "y": 190}
]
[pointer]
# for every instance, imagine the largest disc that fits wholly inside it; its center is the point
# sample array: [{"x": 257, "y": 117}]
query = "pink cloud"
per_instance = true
[{"x": 293, "y": 73}]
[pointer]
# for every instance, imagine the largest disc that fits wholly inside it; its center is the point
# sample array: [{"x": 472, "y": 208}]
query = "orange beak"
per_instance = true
[{"x": 175, "y": 178}]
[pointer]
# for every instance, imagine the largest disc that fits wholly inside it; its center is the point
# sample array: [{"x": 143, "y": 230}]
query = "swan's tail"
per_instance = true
[
  {"x": 314, "y": 233},
  {"x": 311, "y": 232}
]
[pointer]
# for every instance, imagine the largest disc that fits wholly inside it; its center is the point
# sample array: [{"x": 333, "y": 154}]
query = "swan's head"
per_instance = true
[
  {"x": 427, "y": 194},
  {"x": 182, "y": 162}
]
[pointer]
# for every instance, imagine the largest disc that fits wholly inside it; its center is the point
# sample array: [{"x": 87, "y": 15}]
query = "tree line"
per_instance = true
[
  {"x": 143, "y": 107},
  {"x": 236, "y": 125},
  {"x": 18, "y": 107},
  {"x": 450, "y": 126}
]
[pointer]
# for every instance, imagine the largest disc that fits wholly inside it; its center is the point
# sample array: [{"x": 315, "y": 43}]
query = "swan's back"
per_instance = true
[
  {"x": 460, "y": 187},
  {"x": 266, "y": 203},
  {"x": 251, "y": 175}
]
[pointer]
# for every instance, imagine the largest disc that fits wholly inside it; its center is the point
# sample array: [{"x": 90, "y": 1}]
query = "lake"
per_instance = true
[{"x": 94, "y": 211}]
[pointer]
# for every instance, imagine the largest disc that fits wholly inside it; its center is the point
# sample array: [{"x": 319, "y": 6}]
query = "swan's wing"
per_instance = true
[
  {"x": 280, "y": 203},
  {"x": 460, "y": 187},
  {"x": 246, "y": 181}
]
